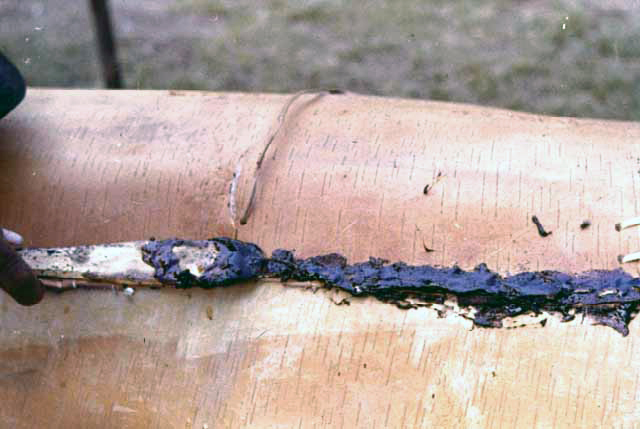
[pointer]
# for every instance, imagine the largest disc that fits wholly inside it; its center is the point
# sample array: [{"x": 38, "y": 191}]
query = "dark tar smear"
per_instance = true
[
  {"x": 608, "y": 297},
  {"x": 235, "y": 262}
]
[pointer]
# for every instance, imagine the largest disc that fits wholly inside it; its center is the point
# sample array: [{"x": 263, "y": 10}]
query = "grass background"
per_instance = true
[{"x": 559, "y": 57}]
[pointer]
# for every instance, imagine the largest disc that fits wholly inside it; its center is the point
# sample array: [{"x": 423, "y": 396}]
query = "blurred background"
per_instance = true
[{"x": 557, "y": 57}]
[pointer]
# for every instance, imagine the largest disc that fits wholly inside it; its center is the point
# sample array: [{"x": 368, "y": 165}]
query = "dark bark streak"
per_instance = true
[{"x": 538, "y": 224}]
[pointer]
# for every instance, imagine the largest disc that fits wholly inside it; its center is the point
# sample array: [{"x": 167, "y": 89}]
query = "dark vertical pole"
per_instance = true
[{"x": 106, "y": 43}]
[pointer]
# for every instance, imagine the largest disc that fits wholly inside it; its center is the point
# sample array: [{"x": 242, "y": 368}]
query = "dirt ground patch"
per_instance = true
[{"x": 561, "y": 58}]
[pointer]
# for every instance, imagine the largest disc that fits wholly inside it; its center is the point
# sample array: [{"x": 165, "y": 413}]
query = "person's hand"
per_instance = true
[{"x": 16, "y": 277}]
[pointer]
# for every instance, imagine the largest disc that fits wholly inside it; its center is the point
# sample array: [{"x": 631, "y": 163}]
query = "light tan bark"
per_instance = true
[{"x": 347, "y": 174}]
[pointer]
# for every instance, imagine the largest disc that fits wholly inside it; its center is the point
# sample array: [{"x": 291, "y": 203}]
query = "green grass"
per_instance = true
[
  {"x": 544, "y": 57},
  {"x": 210, "y": 8}
]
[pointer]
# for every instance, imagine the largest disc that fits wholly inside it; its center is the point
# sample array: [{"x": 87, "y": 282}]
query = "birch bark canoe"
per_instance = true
[{"x": 347, "y": 174}]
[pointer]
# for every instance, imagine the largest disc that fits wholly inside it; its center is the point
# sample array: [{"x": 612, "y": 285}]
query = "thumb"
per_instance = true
[{"x": 16, "y": 277}]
